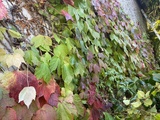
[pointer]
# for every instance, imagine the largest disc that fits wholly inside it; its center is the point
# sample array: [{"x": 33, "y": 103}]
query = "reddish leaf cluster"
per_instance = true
[
  {"x": 105, "y": 10},
  {"x": 19, "y": 81},
  {"x": 47, "y": 96},
  {"x": 96, "y": 103},
  {"x": 90, "y": 56},
  {"x": 66, "y": 15},
  {"x": 48, "y": 93}
]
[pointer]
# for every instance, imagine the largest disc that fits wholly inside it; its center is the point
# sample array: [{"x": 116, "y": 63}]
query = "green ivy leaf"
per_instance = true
[
  {"x": 157, "y": 117},
  {"x": 43, "y": 42},
  {"x": 32, "y": 56},
  {"x": 78, "y": 103},
  {"x": 136, "y": 104},
  {"x": 61, "y": 50},
  {"x": 62, "y": 113},
  {"x": 147, "y": 102},
  {"x": 56, "y": 38},
  {"x": 46, "y": 58},
  {"x": 2, "y": 31},
  {"x": 156, "y": 77},
  {"x": 43, "y": 72},
  {"x": 54, "y": 63},
  {"x": 79, "y": 69},
  {"x": 67, "y": 73},
  {"x": 15, "y": 34},
  {"x": 113, "y": 37},
  {"x": 69, "y": 44},
  {"x": 80, "y": 25},
  {"x": 70, "y": 108},
  {"x": 107, "y": 116},
  {"x": 95, "y": 34},
  {"x": 140, "y": 94},
  {"x": 37, "y": 41}
]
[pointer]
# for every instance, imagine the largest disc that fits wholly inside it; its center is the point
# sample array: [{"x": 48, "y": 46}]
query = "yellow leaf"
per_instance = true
[
  {"x": 6, "y": 78},
  {"x": 148, "y": 102},
  {"x": 136, "y": 104},
  {"x": 2, "y": 54},
  {"x": 140, "y": 94},
  {"x": 126, "y": 102},
  {"x": 19, "y": 51},
  {"x": 16, "y": 59}
]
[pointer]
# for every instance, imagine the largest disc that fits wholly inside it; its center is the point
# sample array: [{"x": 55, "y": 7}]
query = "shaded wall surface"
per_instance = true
[{"x": 131, "y": 8}]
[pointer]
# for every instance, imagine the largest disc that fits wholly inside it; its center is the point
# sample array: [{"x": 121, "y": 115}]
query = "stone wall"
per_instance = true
[{"x": 131, "y": 8}]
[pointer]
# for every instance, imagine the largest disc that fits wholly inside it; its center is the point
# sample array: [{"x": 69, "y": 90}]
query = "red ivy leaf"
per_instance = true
[
  {"x": 46, "y": 89},
  {"x": 96, "y": 68},
  {"x": 19, "y": 81},
  {"x": 53, "y": 100},
  {"x": 47, "y": 112},
  {"x": 91, "y": 67},
  {"x": 5, "y": 102},
  {"x": 92, "y": 94},
  {"x": 41, "y": 101},
  {"x": 3, "y": 11},
  {"x": 98, "y": 104},
  {"x": 66, "y": 15},
  {"x": 70, "y": 2},
  {"x": 89, "y": 56},
  {"x": 10, "y": 114},
  {"x": 95, "y": 114},
  {"x": 23, "y": 113}
]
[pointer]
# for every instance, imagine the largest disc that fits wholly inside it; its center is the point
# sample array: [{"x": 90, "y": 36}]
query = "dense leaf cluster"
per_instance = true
[
  {"x": 88, "y": 69},
  {"x": 151, "y": 8}
]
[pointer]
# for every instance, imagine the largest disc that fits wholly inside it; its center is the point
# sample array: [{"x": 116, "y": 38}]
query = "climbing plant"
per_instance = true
[{"x": 89, "y": 68}]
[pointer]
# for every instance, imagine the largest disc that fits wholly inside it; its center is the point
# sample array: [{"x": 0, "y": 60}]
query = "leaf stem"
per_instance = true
[{"x": 27, "y": 76}]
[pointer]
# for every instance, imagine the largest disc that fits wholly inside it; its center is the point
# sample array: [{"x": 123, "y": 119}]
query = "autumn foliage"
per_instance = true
[{"x": 80, "y": 71}]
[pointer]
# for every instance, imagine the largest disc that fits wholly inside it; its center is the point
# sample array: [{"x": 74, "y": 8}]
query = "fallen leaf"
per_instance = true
[
  {"x": 26, "y": 95},
  {"x": 66, "y": 15}
]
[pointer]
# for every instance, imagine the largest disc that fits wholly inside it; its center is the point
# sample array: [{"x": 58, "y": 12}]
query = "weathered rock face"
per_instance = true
[
  {"x": 24, "y": 17},
  {"x": 131, "y": 8}
]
